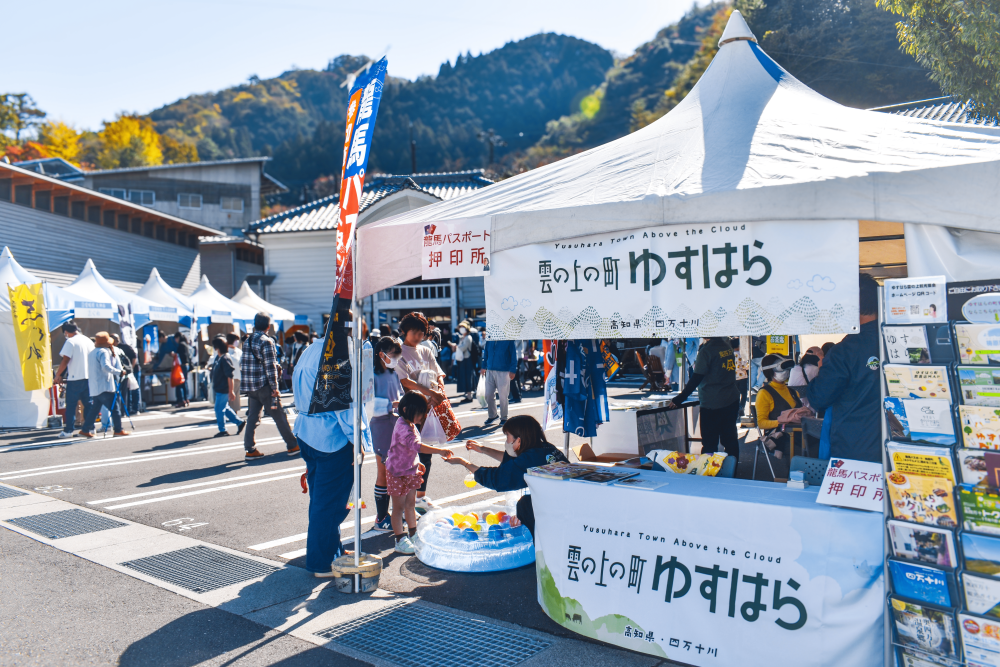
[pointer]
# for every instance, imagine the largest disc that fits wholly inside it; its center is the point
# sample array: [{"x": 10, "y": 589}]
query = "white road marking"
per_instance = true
[
  {"x": 193, "y": 486},
  {"x": 347, "y": 525},
  {"x": 124, "y": 460},
  {"x": 201, "y": 491},
  {"x": 98, "y": 434},
  {"x": 515, "y": 406}
]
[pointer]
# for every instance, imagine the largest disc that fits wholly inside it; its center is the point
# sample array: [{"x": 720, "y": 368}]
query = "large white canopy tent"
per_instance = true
[
  {"x": 749, "y": 143},
  {"x": 90, "y": 285},
  {"x": 250, "y": 299},
  {"x": 211, "y": 306},
  {"x": 178, "y": 307}
]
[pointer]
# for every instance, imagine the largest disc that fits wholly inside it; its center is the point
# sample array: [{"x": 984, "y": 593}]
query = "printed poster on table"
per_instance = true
[
  {"x": 679, "y": 280},
  {"x": 456, "y": 249},
  {"x": 855, "y": 484},
  {"x": 706, "y": 581},
  {"x": 916, "y": 300}
]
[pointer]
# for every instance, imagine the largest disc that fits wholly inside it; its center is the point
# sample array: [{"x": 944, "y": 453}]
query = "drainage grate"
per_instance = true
[
  {"x": 7, "y": 492},
  {"x": 67, "y": 523},
  {"x": 200, "y": 569},
  {"x": 410, "y": 645}
]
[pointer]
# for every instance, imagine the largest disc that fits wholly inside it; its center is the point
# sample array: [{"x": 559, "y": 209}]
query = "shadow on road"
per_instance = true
[{"x": 212, "y": 471}]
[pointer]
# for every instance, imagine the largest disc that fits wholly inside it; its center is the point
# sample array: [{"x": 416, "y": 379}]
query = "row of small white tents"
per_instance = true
[{"x": 91, "y": 296}]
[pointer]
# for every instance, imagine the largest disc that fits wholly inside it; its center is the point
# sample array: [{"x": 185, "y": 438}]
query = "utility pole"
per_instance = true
[
  {"x": 413, "y": 151},
  {"x": 492, "y": 140}
]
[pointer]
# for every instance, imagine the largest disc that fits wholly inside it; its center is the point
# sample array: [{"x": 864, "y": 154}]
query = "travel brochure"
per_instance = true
[
  {"x": 971, "y": 465},
  {"x": 903, "y": 381},
  {"x": 982, "y": 554},
  {"x": 920, "y": 419},
  {"x": 979, "y": 385},
  {"x": 906, "y": 345},
  {"x": 921, "y": 460},
  {"x": 921, "y": 582},
  {"x": 925, "y": 628},
  {"x": 978, "y": 344},
  {"x": 925, "y": 544},
  {"x": 980, "y": 508},
  {"x": 581, "y": 473},
  {"x": 980, "y": 426},
  {"x": 641, "y": 483},
  {"x": 919, "y": 499},
  {"x": 980, "y": 639},
  {"x": 982, "y": 594}
]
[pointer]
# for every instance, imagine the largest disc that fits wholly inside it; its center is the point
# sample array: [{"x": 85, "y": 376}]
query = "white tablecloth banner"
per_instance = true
[
  {"x": 749, "y": 278},
  {"x": 707, "y": 580}
]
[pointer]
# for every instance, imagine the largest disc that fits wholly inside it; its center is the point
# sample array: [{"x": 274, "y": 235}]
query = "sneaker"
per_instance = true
[
  {"x": 66, "y": 434},
  {"x": 503, "y": 421},
  {"x": 221, "y": 434},
  {"x": 293, "y": 450},
  {"x": 324, "y": 575},
  {"x": 253, "y": 454},
  {"x": 405, "y": 546},
  {"x": 490, "y": 420},
  {"x": 425, "y": 503},
  {"x": 383, "y": 526},
  {"x": 243, "y": 425}
]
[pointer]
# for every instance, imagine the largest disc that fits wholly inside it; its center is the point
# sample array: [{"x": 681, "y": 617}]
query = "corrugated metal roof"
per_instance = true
[
  {"x": 943, "y": 109},
  {"x": 323, "y": 214},
  {"x": 179, "y": 165},
  {"x": 211, "y": 240}
]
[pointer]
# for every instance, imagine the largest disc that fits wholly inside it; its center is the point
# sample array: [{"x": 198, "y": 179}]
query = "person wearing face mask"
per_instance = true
[
  {"x": 775, "y": 397},
  {"x": 714, "y": 377},
  {"x": 465, "y": 365},
  {"x": 526, "y": 447},
  {"x": 388, "y": 391}
]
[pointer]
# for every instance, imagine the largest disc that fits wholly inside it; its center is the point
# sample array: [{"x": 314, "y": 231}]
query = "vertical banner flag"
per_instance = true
[
  {"x": 333, "y": 378},
  {"x": 31, "y": 328},
  {"x": 361, "y": 111}
]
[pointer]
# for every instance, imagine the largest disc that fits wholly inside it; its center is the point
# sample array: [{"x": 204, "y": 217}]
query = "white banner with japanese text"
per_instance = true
[
  {"x": 456, "y": 249},
  {"x": 711, "y": 572},
  {"x": 757, "y": 278}
]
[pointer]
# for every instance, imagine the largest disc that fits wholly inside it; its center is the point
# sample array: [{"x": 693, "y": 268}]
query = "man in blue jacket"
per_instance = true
[
  {"x": 499, "y": 367},
  {"x": 848, "y": 384}
]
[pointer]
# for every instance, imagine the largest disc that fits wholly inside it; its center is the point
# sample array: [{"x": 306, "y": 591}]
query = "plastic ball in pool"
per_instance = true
[{"x": 472, "y": 547}]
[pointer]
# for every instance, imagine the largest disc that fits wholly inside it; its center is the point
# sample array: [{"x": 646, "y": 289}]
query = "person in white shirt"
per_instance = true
[
  {"x": 104, "y": 371},
  {"x": 74, "y": 364},
  {"x": 807, "y": 369},
  {"x": 235, "y": 353}
]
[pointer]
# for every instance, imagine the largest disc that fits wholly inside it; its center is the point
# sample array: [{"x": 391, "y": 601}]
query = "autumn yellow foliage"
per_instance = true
[
  {"x": 60, "y": 140},
  {"x": 129, "y": 141}
]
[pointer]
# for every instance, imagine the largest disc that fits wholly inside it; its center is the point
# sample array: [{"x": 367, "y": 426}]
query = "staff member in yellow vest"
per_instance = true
[
  {"x": 775, "y": 397},
  {"x": 714, "y": 377}
]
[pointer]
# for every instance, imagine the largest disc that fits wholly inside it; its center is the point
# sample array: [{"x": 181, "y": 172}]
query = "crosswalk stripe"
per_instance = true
[
  {"x": 201, "y": 491},
  {"x": 193, "y": 486},
  {"x": 515, "y": 406}
]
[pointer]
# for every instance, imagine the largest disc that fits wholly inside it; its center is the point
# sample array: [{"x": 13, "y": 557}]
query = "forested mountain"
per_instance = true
[{"x": 298, "y": 116}]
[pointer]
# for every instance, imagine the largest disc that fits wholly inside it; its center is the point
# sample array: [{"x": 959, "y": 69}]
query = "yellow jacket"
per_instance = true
[{"x": 765, "y": 403}]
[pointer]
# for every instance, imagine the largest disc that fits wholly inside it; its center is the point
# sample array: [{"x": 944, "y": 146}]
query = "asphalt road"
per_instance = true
[{"x": 172, "y": 474}]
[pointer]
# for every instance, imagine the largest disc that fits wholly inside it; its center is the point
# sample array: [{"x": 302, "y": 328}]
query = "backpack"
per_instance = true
[{"x": 475, "y": 351}]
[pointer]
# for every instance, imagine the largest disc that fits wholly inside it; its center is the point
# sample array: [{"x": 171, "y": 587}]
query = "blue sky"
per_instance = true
[{"x": 84, "y": 62}]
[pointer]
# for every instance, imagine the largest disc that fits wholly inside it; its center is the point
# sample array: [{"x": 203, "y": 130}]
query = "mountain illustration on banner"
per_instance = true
[{"x": 748, "y": 318}]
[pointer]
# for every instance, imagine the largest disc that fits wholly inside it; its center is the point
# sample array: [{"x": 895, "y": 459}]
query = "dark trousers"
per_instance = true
[
  {"x": 718, "y": 425},
  {"x": 261, "y": 400},
  {"x": 107, "y": 399},
  {"x": 526, "y": 513},
  {"x": 515, "y": 389},
  {"x": 78, "y": 391},
  {"x": 426, "y": 460},
  {"x": 330, "y": 477}
]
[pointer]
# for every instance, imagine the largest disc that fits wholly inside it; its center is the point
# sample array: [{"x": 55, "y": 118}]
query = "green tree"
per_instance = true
[
  {"x": 18, "y": 112},
  {"x": 958, "y": 41},
  {"x": 178, "y": 151},
  {"x": 60, "y": 140},
  {"x": 129, "y": 141}
]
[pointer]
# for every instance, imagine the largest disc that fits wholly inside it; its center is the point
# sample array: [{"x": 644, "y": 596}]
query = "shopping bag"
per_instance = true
[
  {"x": 449, "y": 422},
  {"x": 432, "y": 432},
  {"x": 481, "y": 392},
  {"x": 177, "y": 374}
]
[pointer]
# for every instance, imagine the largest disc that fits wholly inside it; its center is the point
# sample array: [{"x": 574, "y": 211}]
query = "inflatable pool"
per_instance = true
[{"x": 462, "y": 539}]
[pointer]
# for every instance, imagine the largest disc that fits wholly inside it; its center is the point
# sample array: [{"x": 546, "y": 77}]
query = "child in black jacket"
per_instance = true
[{"x": 526, "y": 447}]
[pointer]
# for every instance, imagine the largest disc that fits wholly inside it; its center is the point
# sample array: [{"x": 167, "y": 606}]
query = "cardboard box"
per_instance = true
[{"x": 585, "y": 454}]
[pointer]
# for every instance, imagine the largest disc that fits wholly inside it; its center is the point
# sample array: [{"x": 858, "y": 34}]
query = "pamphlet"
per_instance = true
[
  {"x": 911, "y": 658},
  {"x": 642, "y": 483},
  {"x": 903, "y": 381},
  {"x": 924, "y": 419},
  {"x": 606, "y": 477},
  {"x": 916, "y": 300},
  {"x": 980, "y": 639},
  {"x": 980, "y": 508},
  {"x": 982, "y": 554},
  {"x": 906, "y": 345},
  {"x": 919, "y": 499},
  {"x": 922, "y": 460},
  {"x": 562, "y": 470},
  {"x": 980, "y": 426},
  {"x": 924, "y": 544},
  {"x": 971, "y": 465},
  {"x": 920, "y": 582},
  {"x": 978, "y": 344},
  {"x": 982, "y": 594},
  {"x": 925, "y": 628},
  {"x": 979, "y": 385}
]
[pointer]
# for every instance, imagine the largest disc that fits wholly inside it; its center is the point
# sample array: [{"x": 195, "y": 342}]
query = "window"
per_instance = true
[
  {"x": 109, "y": 218},
  {"x": 123, "y": 222},
  {"x": 171, "y": 235},
  {"x": 186, "y": 200},
  {"x": 231, "y": 204},
  {"x": 5, "y": 188},
  {"x": 147, "y": 229},
  {"x": 60, "y": 205},
  {"x": 22, "y": 194},
  {"x": 94, "y": 214},
  {"x": 79, "y": 210},
  {"x": 142, "y": 197},
  {"x": 161, "y": 233},
  {"x": 182, "y": 238},
  {"x": 43, "y": 200},
  {"x": 136, "y": 226},
  {"x": 113, "y": 192}
]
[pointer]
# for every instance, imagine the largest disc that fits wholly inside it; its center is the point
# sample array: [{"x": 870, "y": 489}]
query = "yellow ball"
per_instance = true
[{"x": 492, "y": 519}]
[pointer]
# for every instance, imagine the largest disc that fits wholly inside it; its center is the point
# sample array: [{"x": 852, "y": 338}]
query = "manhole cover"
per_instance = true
[
  {"x": 66, "y": 523},
  {"x": 200, "y": 569},
  {"x": 398, "y": 634},
  {"x": 7, "y": 492}
]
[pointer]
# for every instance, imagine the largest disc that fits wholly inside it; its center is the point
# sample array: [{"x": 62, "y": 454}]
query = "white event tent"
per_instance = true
[
  {"x": 249, "y": 298},
  {"x": 172, "y": 306},
  {"x": 749, "y": 143},
  {"x": 211, "y": 306},
  {"x": 58, "y": 302},
  {"x": 94, "y": 288}
]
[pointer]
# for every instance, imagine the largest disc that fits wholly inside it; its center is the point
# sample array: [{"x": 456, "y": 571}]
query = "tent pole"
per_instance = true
[
  {"x": 566, "y": 441},
  {"x": 356, "y": 403}
]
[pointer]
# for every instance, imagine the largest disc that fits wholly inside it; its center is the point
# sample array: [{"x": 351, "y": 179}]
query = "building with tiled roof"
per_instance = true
[
  {"x": 300, "y": 245},
  {"x": 944, "y": 109}
]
